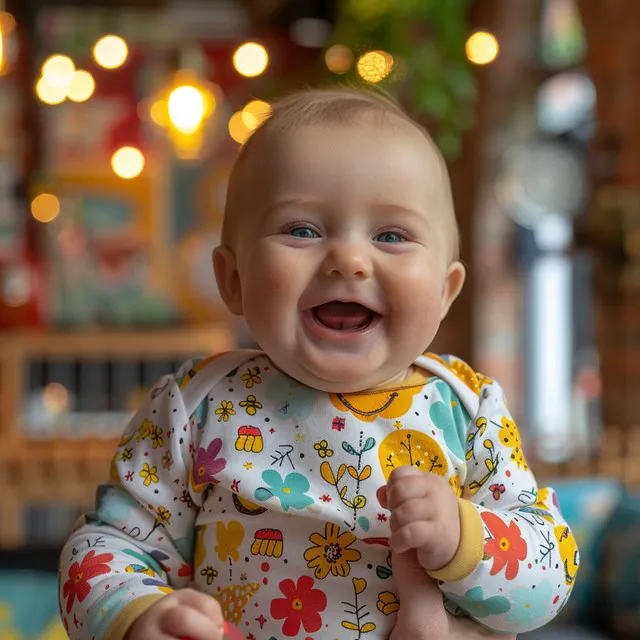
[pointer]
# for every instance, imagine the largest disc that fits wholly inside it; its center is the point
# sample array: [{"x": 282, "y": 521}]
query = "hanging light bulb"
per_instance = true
[{"x": 184, "y": 111}]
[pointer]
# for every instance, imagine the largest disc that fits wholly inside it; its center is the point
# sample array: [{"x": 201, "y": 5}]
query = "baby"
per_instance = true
[{"x": 317, "y": 486}]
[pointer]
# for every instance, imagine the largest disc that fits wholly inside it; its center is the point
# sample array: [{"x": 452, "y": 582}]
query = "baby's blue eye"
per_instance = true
[
  {"x": 303, "y": 232},
  {"x": 389, "y": 236}
]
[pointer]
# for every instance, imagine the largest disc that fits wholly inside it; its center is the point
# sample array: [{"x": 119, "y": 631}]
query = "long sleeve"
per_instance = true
[
  {"x": 517, "y": 560},
  {"x": 137, "y": 545}
]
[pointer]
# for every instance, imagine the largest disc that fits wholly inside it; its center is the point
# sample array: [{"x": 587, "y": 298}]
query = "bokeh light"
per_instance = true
[
  {"x": 127, "y": 162},
  {"x": 45, "y": 207},
  {"x": 50, "y": 94},
  {"x": 7, "y": 42},
  {"x": 110, "y": 52},
  {"x": 238, "y": 130},
  {"x": 58, "y": 71},
  {"x": 481, "y": 47},
  {"x": 55, "y": 398},
  {"x": 374, "y": 66},
  {"x": 338, "y": 58},
  {"x": 159, "y": 113},
  {"x": 255, "y": 113},
  {"x": 81, "y": 87},
  {"x": 250, "y": 59},
  {"x": 186, "y": 109}
]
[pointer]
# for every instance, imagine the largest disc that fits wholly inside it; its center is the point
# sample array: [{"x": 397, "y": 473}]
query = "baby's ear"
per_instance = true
[
  {"x": 228, "y": 279},
  {"x": 456, "y": 275}
]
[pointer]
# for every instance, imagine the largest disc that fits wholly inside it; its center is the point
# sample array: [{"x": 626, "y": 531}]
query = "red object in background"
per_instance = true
[{"x": 231, "y": 632}]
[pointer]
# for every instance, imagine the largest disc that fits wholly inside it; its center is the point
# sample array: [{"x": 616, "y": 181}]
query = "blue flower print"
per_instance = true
[
  {"x": 290, "y": 491},
  {"x": 115, "y": 506},
  {"x": 531, "y": 606},
  {"x": 477, "y": 606},
  {"x": 293, "y": 401},
  {"x": 451, "y": 418}
]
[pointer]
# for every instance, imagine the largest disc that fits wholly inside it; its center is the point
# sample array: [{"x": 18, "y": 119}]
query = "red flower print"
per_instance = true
[
  {"x": 325, "y": 498},
  {"x": 497, "y": 490},
  {"x": 301, "y": 605},
  {"x": 337, "y": 424},
  {"x": 507, "y": 547},
  {"x": 80, "y": 574}
]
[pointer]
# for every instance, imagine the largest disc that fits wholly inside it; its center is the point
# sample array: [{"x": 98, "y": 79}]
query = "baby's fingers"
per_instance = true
[{"x": 183, "y": 621}]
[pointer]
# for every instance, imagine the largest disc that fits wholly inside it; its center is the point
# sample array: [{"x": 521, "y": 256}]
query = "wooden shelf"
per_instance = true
[{"x": 205, "y": 339}]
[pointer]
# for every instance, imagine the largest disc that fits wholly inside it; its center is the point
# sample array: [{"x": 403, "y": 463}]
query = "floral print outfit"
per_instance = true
[{"x": 261, "y": 492}]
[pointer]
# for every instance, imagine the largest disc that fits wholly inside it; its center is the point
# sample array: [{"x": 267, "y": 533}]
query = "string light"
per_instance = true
[
  {"x": 50, "y": 94},
  {"x": 481, "y": 47},
  {"x": 58, "y": 71},
  {"x": 81, "y": 87},
  {"x": 238, "y": 130},
  {"x": 110, "y": 52},
  {"x": 127, "y": 162},
  {"x": 250, "y": 59},
  {"x": 374, "y": 66},
  {"x": 255, "y": 113},
  {"x": 338, "y": 58},
  {"x": 45, "y": 207}
]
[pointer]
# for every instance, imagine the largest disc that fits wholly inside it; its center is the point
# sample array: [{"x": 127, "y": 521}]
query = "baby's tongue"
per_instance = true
[{"x": 343, "y": 316}]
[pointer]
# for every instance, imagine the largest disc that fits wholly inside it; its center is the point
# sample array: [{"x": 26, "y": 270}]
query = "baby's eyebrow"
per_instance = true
[{"x": 299, "y": 203}]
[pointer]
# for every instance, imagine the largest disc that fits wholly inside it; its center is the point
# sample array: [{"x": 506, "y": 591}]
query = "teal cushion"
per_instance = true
[
  {"x": 587, "y": 505},
  {"x": 619, "y": 593},
  {"x": 29, "y": 606}
]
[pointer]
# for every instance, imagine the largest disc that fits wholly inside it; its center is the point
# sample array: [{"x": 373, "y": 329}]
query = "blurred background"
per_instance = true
[{"x": 119, "y": 121}]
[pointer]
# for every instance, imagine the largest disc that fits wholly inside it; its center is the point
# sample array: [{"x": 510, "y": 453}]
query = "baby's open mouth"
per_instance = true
[{"x": 344, "y": 316}]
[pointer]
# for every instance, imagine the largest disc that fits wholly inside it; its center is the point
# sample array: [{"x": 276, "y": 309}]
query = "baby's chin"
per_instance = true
[{"x": 344, "y": 379}]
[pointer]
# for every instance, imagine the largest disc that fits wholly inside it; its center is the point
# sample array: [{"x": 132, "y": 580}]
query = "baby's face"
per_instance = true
[{"x": 342, "y": 267}]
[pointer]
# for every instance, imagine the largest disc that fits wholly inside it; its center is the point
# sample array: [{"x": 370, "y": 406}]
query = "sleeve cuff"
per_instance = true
[
  {"x": 123, "y": 621},
  {"x": 471, "y": 547}
]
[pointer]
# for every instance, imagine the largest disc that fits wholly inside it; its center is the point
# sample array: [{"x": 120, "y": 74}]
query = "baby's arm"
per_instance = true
[
  {"x": 137, "y": 546},
  {"x": 503, "y": 553}
]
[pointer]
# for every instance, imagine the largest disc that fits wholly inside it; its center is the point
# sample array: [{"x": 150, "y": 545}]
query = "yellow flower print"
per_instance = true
[
  {"x": 209, "y": 573},
  {"x": 163, "y": 515},
  {"x": 149, "y": 474},
  {"x": 569, "y": 555},
  {"x": 387, "y": 603},
  {"x": 510, "y": 437},
  {"x": 127, "y": 454},
  {"x": 229, "y": 539},
  {"x": 225, "y": 410},
  {"x": 322, "y": 448},
  {"x": 251, "y": 377},
  {"x": 251, "y": 405},
  {"x": 155, "y": 435},
  {"x": 331, "y": 552}
]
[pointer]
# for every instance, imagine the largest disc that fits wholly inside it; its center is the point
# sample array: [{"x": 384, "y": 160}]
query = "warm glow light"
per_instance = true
[
  {"x": 7, "y": 28},
  {"x": 58, "y": 71},
  {"x": 45, "y": 207},
  {"x": 238, "y": 130},
  {"x": 250, "y": 59},
  {"x": 255, "y": 113},
  {"x": 110, "y": 52},
  {"x": 50, "y": 94},
  {"x": 338, "y": 58},
  {"x": 158, "y": 113},
  {"x": 481, "y": 47},
  {"x": 55, "y": 398},
  {"x": 186, "y": 109},
  {"x": 127, "y": 162},
  {"x": 374, "y": 66},
  {"x": 81, "y": 87}
]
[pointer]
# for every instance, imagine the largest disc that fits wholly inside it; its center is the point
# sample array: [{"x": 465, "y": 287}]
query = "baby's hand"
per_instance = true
[
  {"x": 424, "y": 516},
  {"x": 182, "y": 614}
]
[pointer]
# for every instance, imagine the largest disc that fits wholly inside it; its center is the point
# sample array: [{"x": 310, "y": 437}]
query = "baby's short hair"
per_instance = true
[{"x": 342, "y": 106}]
